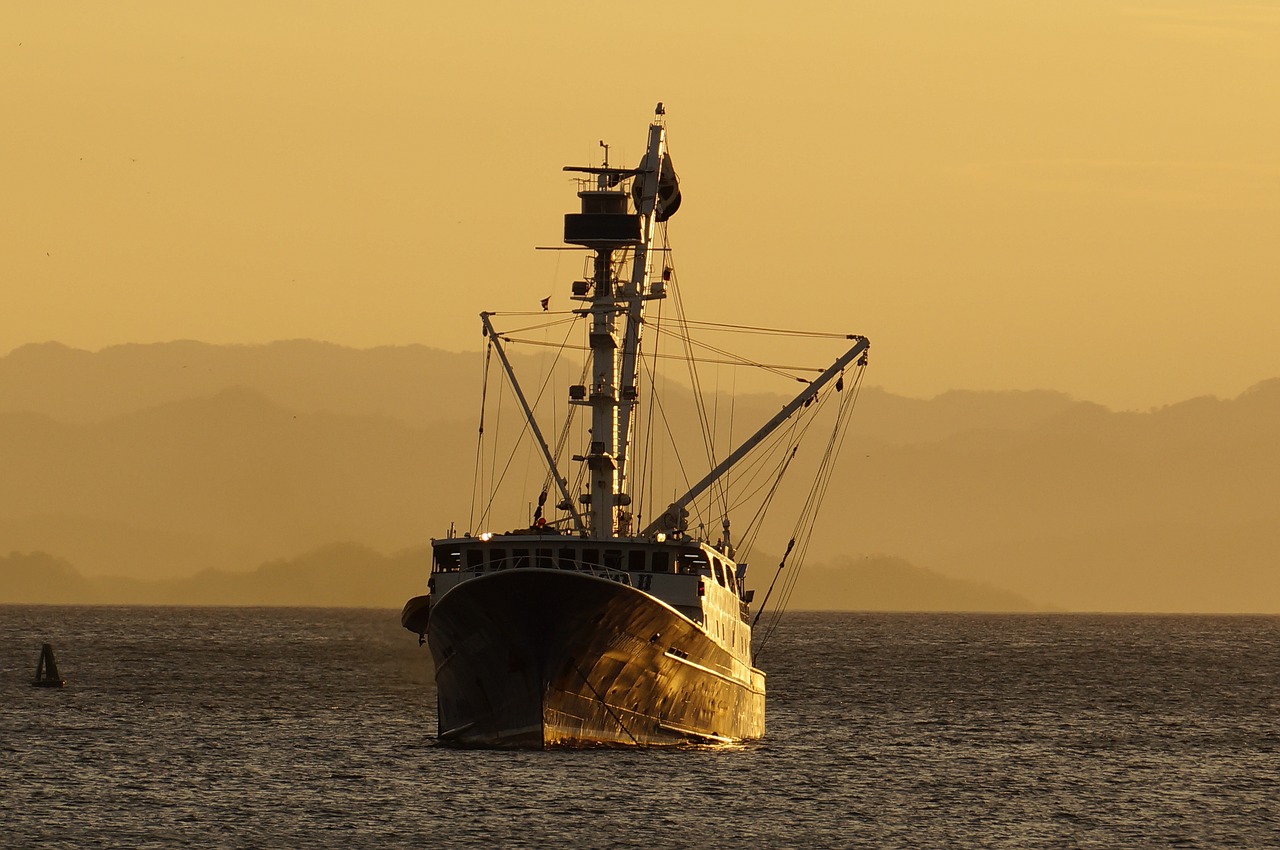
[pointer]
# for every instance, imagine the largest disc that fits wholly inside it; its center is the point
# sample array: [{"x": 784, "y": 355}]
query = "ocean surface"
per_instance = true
[{"x": 258, "y": 727}]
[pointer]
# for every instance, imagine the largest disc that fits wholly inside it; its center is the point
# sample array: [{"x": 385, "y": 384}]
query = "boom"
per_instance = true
[{"x": 669, "y": 520}]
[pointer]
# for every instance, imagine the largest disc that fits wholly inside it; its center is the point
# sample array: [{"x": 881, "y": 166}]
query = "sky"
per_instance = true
[{"x": 1078, "y": 196}]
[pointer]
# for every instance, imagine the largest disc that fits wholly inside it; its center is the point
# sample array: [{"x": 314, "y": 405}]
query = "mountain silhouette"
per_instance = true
[
  {"x": 337, "y": 575},
  {"x": 157, "y": 463}
]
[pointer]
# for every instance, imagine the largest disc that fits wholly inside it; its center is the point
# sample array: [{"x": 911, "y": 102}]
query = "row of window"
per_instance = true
[{"x": 686, "y": 562}]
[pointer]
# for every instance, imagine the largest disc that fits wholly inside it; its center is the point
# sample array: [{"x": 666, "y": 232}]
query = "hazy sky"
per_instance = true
[{"x": 1080, "y": 195}]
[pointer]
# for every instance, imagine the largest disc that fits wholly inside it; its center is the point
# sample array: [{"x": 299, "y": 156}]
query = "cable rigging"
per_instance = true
[{"x": 805, "y": 523}]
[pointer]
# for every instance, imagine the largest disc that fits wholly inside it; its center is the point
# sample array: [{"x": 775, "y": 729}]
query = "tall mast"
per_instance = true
[
  {"x": 608, "y": 224},
  {"x": 638, "y": 287}
]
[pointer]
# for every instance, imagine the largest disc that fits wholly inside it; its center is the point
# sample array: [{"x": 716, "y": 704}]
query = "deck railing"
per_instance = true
[{"x": 598, "y": 570}]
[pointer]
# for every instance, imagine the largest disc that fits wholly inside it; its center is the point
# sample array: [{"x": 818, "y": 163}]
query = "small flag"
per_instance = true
[{"x": 546, "y": 304}]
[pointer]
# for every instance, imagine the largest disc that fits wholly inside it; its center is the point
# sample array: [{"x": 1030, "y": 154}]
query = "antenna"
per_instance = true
[{"x": 606, "y": 153}]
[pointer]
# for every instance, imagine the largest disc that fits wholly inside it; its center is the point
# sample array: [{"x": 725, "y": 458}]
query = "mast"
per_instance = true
[
  {"x": 607, "y": 225},
  {"x": 655, "y": 166}
]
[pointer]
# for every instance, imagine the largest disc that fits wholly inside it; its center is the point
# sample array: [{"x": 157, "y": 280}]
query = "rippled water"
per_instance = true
[{"x": 303, "y": 727}]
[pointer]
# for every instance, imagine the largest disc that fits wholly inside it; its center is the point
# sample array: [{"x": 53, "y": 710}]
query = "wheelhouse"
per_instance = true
[{"x": 638, "y": 562}]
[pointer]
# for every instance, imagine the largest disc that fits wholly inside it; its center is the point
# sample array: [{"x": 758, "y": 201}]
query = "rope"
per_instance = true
[
  {"x": 477, "y": 475},
  {"x": 753, "y": 329},
  {"x": 606, "y": 705},
  {"x": 781, "y": 369},
  {"x": 708, "y": 437},
  {"x": 807, "y": 520}
]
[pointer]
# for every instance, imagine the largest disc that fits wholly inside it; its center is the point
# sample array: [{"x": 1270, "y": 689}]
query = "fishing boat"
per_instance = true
[{"x": 586, "y": 625}]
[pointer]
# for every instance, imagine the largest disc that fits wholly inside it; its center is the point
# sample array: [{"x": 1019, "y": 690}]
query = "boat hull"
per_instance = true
[{"x": 533, "y": 658}]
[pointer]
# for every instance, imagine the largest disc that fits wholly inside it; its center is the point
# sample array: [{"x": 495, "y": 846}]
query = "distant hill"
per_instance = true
[
  {"x": 339, "y": 575},
  {"x": 355, "y": 576},
  {"x": 881, "y": 583},
  {"x": 1161, "y": 567},
  {"x": 225, "y": 481},
  {"x": 414, "y": 383},
  {"x": 159, "y": 462},
  {"x": 1169, "y": 510}
]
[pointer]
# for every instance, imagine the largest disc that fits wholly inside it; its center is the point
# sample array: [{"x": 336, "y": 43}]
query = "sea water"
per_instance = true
[{"x": 207, "y": 727}]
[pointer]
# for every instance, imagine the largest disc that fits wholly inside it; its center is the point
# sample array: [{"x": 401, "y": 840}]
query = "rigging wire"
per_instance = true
[
  {"x": 563, "y": 439},
  {"x": 808, "y": 517},
  {"x": 493, "y": 463},
  {"x": 646, "y": 464},
  {"x": 548, "y": 473},
  {"x": 715, "y": 429},
  {"x": 510, "y": 461},
  {"x": 708, "y": 438},
  {"x": 780, "y": 369},
  {"x": 546, "y": 382},
  {"x": 755, "y": 329},
  {"x": 753, "y": 527},
  {"x": 527, "y": 427},
  {"x": 735, "y": 359},
  {"x": 661, "y": 410},
  {"x": 799, "y": 431},
  {"x": 756, "y": 524},
  {"x": 761, "y": 467},
  {"x": 807, "y": 521},
  {"x": 729, "y": 476},
  {"x": 477, "y": 476},
  {"x": 563, "y": 317}
]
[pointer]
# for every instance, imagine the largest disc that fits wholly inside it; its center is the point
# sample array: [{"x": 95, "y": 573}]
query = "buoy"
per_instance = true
[{"x": 47, "y": 670}]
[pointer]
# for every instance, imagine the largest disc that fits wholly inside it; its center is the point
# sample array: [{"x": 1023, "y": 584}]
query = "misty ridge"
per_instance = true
[{"x": 308, "y": 473}]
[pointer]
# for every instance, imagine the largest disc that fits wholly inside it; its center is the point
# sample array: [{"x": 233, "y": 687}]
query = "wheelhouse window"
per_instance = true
[
  {"x": 520, "y": 558},
  {"x": 660, "y": 562},
  {"x": 568, "y": 559},
  {"x": 636, "y": 559},
  {"x": 498, "y": 559},
  {"x": 475, "y": 559},
  {"x": 545, "y": 559},
  {"x": 694, "y": 563},
  {"x": 613, "y": 559}
]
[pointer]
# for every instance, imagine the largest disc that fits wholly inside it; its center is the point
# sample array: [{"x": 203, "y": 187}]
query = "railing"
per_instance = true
[
  {"x": 597, "y": 570},
  {"x": 601, "y": 571}
]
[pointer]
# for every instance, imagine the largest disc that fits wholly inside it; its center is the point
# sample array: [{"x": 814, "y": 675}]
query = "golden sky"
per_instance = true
[{"x": 1082, "y": 196}]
